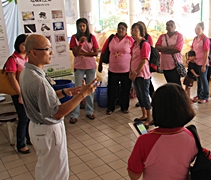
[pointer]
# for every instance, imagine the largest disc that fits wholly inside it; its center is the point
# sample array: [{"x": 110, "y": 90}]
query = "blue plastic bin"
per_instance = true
[
  {"x": 61, "y": 84},
  {"x": 101, "y": 95}
]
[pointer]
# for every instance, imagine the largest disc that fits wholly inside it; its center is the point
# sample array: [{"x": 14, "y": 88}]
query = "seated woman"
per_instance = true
[{"x": 167, "y": 151}]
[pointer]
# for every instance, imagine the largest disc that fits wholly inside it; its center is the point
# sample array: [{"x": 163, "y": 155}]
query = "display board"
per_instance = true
[
  {"x": 4, "y": 48},
  {"x": 47, "y": 17}
]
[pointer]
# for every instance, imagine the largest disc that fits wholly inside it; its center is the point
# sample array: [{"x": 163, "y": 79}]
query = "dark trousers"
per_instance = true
[
  {"x": 151, "y": 88},
  {"x": 208, "y": 74},
  {"x": 113, "y": 83},
  {"x": 142, "y": 92},
  {"x": 23, "y": 123},
  {"x": 172, "y": 76},
  {"x": 202, "y": 83}
]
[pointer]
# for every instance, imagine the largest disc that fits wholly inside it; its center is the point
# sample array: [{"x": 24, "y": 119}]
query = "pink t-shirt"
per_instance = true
[
  {"x": 137, "y": 56},
  {"x": 167, "y": 62},
  {"x": 163, "y": 154},
  {"x": 120, "y": 54},
  {"x": 15, "y": 63},
  {"x": 84, "y": 62},
  {"x": 200, "y": 47}
]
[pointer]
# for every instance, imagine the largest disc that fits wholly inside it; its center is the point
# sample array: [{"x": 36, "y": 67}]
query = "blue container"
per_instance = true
[
  {"x": 101, "y": 95},
  {"x": 61, "y": 84}
]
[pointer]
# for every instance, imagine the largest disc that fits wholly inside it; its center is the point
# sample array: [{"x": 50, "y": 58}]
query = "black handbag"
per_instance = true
[
  {"x": 179, "y": 66},
  {"x": 201, "y": 170}
]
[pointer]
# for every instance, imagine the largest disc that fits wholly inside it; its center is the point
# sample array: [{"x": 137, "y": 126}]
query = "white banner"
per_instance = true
[
  {"x": 47, "y": 17},
  {"x": 4, "y": 48}
]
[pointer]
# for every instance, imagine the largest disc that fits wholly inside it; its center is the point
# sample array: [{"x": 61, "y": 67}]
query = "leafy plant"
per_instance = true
[{"x": 12, "y": 0}]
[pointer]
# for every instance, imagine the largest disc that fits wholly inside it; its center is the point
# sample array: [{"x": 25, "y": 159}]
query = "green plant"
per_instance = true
[
  {"x": 110, "y": 22},
  {"x": 12, "y": 0}
]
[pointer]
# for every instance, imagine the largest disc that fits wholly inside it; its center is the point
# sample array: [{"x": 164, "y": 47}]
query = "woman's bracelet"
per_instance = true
[{"x": 65, "y": 95}]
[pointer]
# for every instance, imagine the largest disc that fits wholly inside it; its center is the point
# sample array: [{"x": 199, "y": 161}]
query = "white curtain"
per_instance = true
[{"x": 12, "y": 22}]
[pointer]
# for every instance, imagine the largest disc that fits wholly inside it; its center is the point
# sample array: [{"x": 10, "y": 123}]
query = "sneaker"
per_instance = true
[{"x": 201, "y": 101}]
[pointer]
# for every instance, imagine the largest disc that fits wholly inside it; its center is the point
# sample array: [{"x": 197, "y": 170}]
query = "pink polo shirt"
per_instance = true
[
  {"x": 167, "y": 62},
  {"x": 163, "y": 154},
  {"x": 15, "y": 63},
  {"x": 137, "y": 56},
  {"x": 200, "y": 47},
  {"x": 84, "y": 62},
  {"x": 120, "y": 54}
]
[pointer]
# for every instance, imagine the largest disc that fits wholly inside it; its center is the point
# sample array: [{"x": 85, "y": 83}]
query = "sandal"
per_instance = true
[
  {"x": 90, "y": 116},
  {"x": 125, "y": 111},
  {"x": 150, "y": 124},
  {"x": 137, "y": 104},
  {"x": 72, "y": 120},
  {"x": 137, "y": 119},
  {"x": 109, "y": 112},
  {"x": 24, "y": 152}
]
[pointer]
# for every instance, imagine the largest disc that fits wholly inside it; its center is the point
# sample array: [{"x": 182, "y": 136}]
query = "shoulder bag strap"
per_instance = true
[
  {"x": 193, "y": 130},
  {"x": 168, "y": 45}
]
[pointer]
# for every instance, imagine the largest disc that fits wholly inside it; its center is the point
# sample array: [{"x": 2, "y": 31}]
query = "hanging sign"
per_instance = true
[{"x": 47, "y": 17}]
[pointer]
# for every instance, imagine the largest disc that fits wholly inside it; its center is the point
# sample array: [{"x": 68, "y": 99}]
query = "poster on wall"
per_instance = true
[
  {"x": 4, "y": 48},
  {"x": 112, "y": 12},
  {"x": 47, "y": 17},
  {"x": 145, "y": 7},
  {"x": 71, "y": 10},
  {"x": 166, "y": 8},
  {"x": 191, "y": 8}
]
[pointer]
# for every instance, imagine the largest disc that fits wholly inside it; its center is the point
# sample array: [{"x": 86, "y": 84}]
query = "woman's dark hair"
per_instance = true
[
  {"x": 141, "y": 29},
  {"x": 171, "y": 107},
  {"x": 19, "y": 40},
  {"x": 201, "y": 24},
  {"x": 145, "y": 28},
  {"x": 87, "y": 33},
  {"x": 123, "y": 24},
  {"x": 170, "y": 21},
  {"x": 191, "y": 53}
]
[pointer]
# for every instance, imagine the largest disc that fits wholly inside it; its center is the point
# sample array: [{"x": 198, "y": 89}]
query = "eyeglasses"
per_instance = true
[{"x": 44, "y": 49}]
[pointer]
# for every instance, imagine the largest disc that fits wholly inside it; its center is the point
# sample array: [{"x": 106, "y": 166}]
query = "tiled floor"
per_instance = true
[{"x": 98, "y": 149}]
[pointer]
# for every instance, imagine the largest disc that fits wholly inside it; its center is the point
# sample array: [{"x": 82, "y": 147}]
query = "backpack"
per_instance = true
[
  {"x": 107, "y": 52},
  {"x": 209, "y": 56},
  {"x": 154, "y": 59},
  {"x": 201, "y": 170}
]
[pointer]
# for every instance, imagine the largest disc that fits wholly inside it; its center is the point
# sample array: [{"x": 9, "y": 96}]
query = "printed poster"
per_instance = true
[
  {"x": 4, "y": 48},
  {"x": 47, "y": 17},
  {"x": 166, "y": 7}
]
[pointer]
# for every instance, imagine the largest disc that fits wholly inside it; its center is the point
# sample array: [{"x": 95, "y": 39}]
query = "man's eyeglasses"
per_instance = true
[{"x": 44, "y": 49}]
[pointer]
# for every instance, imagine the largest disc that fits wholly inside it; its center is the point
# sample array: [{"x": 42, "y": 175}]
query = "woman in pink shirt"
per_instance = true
[
  {"x": 166, "y": 152},
  {"x": 201, "y": 45},
  {"x": 119, "y": 67},
  {"x": 140, "y": 72},
  {"x": 150, "y": 41},
  {"x": 16, "y": 63},
  {"x": 175, "y": 43},
  {"x": 84, "y": 47}
]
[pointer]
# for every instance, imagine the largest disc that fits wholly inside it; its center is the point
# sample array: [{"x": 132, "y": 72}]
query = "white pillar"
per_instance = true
[
  {"x": 133, "y": 14},
  {"x": 86, "y": 11},
  {"x": 209, "y": 28}
]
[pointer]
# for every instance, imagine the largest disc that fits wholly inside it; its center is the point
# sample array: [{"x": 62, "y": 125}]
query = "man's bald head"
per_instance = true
[{"x": 34, "y": 41}]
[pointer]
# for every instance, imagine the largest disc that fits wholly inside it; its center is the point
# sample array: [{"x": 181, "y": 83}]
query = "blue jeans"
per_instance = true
[
  {"x": 202, "y": 83},
  {"x": 79, "y": 75},
  {"x": 142, "y": 92},
  {"x": 23, "y": 123}
]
